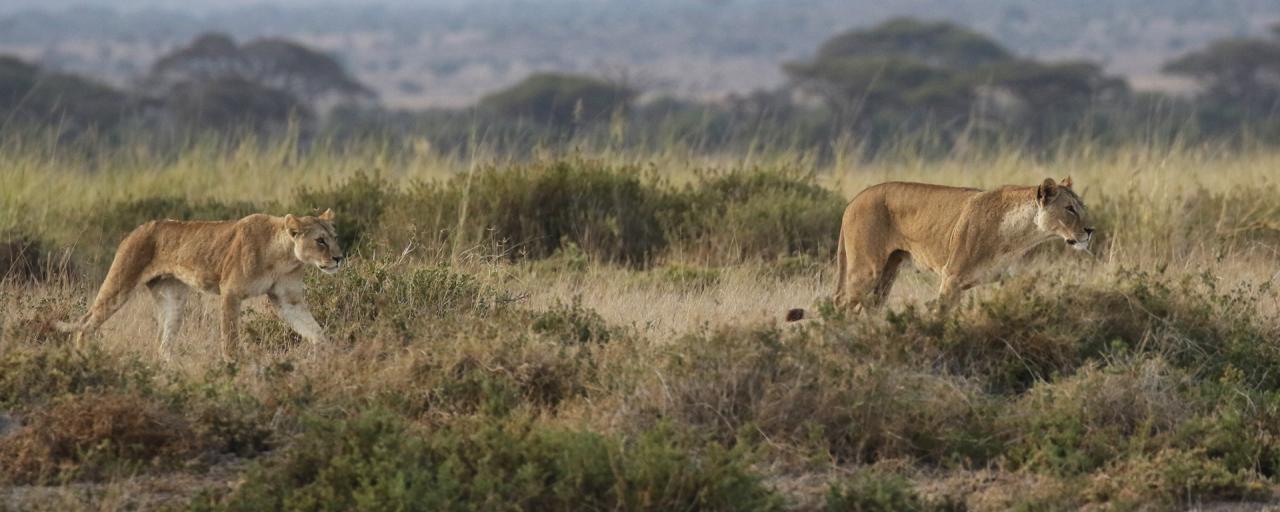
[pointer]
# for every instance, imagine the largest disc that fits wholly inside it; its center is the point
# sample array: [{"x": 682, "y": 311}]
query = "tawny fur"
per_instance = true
[
  {"x": 962, "y": 234},
  {"x": 236, "y": 260}
]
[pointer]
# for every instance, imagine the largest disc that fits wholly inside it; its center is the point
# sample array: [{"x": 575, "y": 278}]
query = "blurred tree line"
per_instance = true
[{"x": 939, "y": 83}]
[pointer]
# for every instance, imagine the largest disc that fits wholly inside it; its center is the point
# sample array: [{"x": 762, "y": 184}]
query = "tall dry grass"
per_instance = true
[{"x": 1133, "y": 376}]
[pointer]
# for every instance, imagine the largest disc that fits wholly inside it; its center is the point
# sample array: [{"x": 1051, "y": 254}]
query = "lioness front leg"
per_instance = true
[{"x": 290, "y": 302}]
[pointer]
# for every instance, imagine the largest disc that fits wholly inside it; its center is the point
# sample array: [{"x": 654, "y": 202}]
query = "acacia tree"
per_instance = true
[
  {"x": 31, "y": 94},
  {"x": 1239, "y": 79},
  {"x": 904, "y": 73},
  {"x": 302, "y": 72}
]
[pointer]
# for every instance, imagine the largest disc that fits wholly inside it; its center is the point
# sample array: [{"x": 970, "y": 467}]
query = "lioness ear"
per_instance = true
[
  {"x": 327, "y": 215},
  {"x": 1046, "y": 191},
  {"x": 292, "y": 224},
  {"x": 1065, "y": 183}
]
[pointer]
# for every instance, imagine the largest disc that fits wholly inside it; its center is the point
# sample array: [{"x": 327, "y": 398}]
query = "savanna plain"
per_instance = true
[{"x": 602, "y": 330}]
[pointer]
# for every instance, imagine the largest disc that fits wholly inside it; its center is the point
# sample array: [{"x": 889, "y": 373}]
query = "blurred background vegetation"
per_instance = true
[{"x": 941, "y": 85}]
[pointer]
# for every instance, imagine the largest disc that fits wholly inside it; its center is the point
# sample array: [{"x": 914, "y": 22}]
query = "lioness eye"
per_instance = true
[
  {"x": 321, "y": 242},
  {"x": 1071, "y": 210}
]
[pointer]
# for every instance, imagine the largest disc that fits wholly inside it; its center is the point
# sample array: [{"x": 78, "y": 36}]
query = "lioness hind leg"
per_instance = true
[
  {"x": 859, "y": 289},
  {"x": 868, "y": 279},
  {"x": 171, "y": 297},
  {"x": 888, "y": 275},
  {"x": 127, "y": 269}
]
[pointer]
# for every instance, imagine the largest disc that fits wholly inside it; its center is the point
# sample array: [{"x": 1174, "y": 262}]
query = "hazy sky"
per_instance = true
[{"x": 450, "y": 52}]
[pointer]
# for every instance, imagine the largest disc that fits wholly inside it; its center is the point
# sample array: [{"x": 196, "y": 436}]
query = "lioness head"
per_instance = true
[
  {"x": 314, "y": 241},
  {"x": 1063, "y": 214}
]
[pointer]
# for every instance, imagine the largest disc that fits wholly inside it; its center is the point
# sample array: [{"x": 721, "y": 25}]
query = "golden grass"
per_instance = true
[{"x": 1182, "y": 211}]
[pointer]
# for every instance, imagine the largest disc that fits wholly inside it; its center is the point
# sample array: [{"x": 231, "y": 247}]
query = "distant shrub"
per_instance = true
[
  {"x": 90, "y": 436},
  {"x": 374, "y": 461},
  {"x": 116, "y": 220},
  {"x": 687, "y": 277},
  {"x": 618, "y": 214},
  {"x": 357, "y": 204},
  {"x": 560, "y": 100},
  {"x": 533, "y": 210},
  {"x": 758, "y": 213},
  {"x": 793, "y": 267},
  {"x": 27, "y": 259}
]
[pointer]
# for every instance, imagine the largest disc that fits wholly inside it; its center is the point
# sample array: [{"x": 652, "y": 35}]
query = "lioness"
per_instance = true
[
  {"x": 962, "y": 234},
  {"x": 235, "y": 259}
]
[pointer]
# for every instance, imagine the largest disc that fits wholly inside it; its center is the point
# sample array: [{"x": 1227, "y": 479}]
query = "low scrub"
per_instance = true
[
  {"x": 808, "y": 390},
  {"x": 1078, "y": 424},
  {"x": 92, "y": 436},
  {"x": 1170, "y": 478},
  {"x": 871, "y": 490},
  {"x": 1039, "y": 327},
  {"x": 33, "y": 375},
  {"x": 376, "y": 462}
]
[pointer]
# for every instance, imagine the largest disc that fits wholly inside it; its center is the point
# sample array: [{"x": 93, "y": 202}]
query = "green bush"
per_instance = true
[
  {"x": 228, "y": 419},
  {"x": 757, "y": 213},
  {"x": 376, "y": 462},
  {"x": 533, "y": 210},
  {"x": 618, "y": 214},
  {"x": 1238, "y": 427},
  {"x": 28, "y": 259},
  {"x": 357, "y": 204},
  {"x": 687, "y": 277}
]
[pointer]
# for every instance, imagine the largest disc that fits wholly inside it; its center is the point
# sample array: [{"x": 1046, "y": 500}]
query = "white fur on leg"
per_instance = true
[{"x": 299, "y": 318}]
